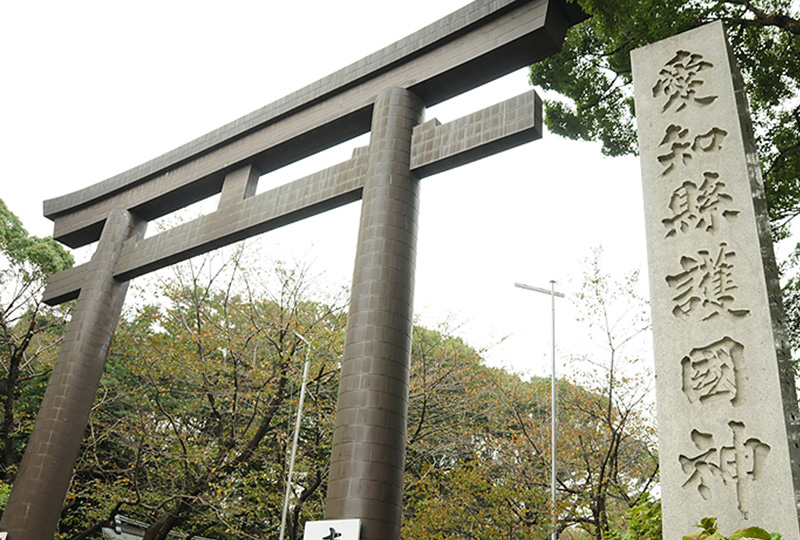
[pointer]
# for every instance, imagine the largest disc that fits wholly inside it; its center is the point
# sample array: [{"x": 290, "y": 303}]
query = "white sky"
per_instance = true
[{"x": 92, "y": 88}]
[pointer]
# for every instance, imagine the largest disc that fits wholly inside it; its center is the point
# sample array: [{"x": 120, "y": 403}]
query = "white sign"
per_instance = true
[
  {"x": 332, "y": 529},
  {"x": 3, "y": 535}
]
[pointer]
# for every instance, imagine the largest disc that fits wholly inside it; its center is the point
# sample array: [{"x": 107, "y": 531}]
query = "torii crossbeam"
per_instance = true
[{"x": 386, "y": 94}]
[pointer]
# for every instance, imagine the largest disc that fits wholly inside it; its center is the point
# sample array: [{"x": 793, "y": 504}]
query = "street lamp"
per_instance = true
[
  {"x": 296, "y": 434},
  {"x": 553, "y": 407}
]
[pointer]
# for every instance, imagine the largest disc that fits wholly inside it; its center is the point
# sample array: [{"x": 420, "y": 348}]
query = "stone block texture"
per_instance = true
[
  {"x": 472, "y": 46},
  {"x": 367, "y": 457},
  {"x": 727, "y": 406},
  {"x": 34, "y": 507},
  {"x": 489, "y": 131}
]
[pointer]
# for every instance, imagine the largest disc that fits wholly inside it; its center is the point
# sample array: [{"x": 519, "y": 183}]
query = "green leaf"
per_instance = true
[{"x": 751, "y": 532}]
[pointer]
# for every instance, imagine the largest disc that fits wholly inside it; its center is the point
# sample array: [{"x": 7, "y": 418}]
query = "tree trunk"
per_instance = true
[
  {"x": 602, "y": 517},
  {"x": 9, "y": 454},
  {"x": 161, "y": 527}
]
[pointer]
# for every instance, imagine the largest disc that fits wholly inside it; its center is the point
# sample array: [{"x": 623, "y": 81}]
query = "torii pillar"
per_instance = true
[
  {"x": 369, "y": 437},
  {"x": 38, "y": 493}
]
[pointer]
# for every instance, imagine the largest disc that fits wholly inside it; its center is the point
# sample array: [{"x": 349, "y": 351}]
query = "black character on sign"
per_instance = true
[{"x": 333, "y": 535}]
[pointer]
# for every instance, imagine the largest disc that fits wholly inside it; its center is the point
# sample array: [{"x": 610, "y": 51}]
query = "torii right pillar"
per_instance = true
[{"x": 726, "y": 399}]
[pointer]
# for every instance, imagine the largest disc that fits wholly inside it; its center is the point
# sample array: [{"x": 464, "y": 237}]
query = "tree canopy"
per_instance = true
[
  {"x": 592, "y": 75},
  {"x": 191, "y": 428},
  {"x": 30, "y": 332},
  {"x": 39, "y": 256}
]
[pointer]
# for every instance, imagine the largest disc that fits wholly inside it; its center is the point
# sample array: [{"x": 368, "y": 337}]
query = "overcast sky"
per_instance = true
[{"x": 90, "y": 89}]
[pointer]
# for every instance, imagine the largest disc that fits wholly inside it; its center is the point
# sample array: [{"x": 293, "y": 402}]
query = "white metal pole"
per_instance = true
[
  {"x": 553, "y": 416},
  {"x": 295, "y": 437},
  {"x": 553, "y": 404}
]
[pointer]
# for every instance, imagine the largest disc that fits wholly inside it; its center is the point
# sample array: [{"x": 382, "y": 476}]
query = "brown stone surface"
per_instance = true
[
  {"x": 472, "y": 46},
  {"x": 435, "y": 148},
  {"x": 373, "y": 394},
  {"x": 35, "y": 504}
]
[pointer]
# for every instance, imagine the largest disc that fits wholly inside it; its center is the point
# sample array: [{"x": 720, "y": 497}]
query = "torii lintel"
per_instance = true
[
  {"x": 241, "y": 214},
  {"x": 472, "y": 46}
]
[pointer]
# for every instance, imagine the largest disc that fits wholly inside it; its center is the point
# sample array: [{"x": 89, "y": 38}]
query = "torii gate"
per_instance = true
[{"x": 385, "y": 93}]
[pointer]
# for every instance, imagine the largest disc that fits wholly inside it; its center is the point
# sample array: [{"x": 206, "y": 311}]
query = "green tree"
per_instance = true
[
  {"x": 481, "y": 467},
  {"x": 491, "y": 478},
  {"x": 710, "y": 531},
  {"x": 190, "y": 429},
  {"x": 592, "y": 75},
  {"x": 610, "y": 459},
  {"x": 641, "y": 522},
  {"x": 469, "y": 471},
  {"x": 30, "y": 332}
]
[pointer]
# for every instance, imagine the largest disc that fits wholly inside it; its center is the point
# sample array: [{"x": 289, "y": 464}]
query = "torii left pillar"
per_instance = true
[{"x": 35, "y": 504}]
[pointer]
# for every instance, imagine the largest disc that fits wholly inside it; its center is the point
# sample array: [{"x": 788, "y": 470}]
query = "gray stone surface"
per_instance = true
[{"x": 727, "y": 407}]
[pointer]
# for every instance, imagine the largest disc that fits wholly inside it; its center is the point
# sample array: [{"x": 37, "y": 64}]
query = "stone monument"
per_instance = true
[
  {"x": 386, "y": 94},
  {"x": 727, "y": 406}
]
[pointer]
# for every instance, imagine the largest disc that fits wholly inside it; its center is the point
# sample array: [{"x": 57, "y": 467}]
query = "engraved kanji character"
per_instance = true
[
  {"x": 711, "y": 141},
  {"x": 705, "y": 287},
  {"x": 699, "y": 208},
  {"x": 683, "y": 148},
  {"x": 677, "y": 139},
  {"x": 740, "y": 464},
  {"x": 712, "y": 372},
  {"x": 680, "y": 80},
  {"x": 743, "y": 461}
]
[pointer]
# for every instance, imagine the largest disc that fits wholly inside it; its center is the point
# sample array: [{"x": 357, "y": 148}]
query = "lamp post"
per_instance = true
[
  {"x": 553, "y": 407},
  {"x": 296, "y": 434}
]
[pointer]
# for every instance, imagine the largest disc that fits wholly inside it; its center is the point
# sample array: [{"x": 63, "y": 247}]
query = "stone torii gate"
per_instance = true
[{"x": 386, "y": 94}]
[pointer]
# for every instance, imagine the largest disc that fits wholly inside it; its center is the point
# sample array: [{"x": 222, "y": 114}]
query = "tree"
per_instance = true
[
  {"x": 481, "y": 467},
  {"x": 468, "y": 473},
  {"x": 643, "y": 522},
  {"x": 30, "y": 332},
  {"x": 612, "y": 459},
  {"x": 710, "y": 531},
  {"x": 191, "y": 427},
  {"x": 592, "y": 74},
  {"x": 491, "y": 480}
]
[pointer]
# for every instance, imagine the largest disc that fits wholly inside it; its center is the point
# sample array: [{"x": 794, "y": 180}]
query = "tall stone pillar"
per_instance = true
[
  {"x": 368, "y": 455},
  {"x": 38, "y": 494},
  {"x": 727, "y": 406}
]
